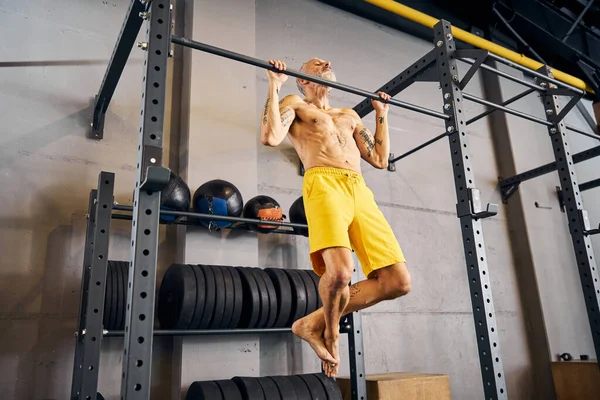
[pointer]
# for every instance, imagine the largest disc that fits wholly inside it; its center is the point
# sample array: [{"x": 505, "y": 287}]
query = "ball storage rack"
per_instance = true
[{"x": 438, "y": 66}]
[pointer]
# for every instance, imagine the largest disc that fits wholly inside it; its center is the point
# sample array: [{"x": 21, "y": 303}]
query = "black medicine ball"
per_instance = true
[{"x": 218, "y": 197}]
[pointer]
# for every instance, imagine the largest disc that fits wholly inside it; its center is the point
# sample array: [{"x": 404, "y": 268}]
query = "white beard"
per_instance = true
[{"x": 329, "y": 75}]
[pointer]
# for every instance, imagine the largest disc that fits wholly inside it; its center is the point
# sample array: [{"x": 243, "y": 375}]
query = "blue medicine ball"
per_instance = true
[{"x": 218, "y": 197}]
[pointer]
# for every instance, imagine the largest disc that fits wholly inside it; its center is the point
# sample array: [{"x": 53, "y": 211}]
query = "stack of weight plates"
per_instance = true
[
  {"x": 115, "y": 297},
  {"x": 293, "y": 387},
  {"x": 226, "y": 297}
]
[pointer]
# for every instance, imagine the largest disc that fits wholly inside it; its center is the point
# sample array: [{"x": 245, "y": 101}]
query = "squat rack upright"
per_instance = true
[{"x": 438, "y": 65}]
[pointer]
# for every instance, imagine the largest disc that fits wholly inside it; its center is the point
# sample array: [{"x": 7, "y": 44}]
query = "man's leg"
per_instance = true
[{"x": 383, "y": 284}]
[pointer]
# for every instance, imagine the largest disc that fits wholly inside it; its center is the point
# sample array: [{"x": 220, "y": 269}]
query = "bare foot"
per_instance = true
[
  {"x": 313, "y": 335},
  {"x": 332, "y": 346}
]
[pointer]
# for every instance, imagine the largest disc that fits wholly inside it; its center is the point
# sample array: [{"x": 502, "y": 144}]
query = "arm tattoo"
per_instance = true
[
  {"x": 368, "y": 139},
  {"x": 287, "y": 116},
  {"x": 266, "y": 111},
  {"x": 379, "y": 141},
  {"x": 381, "y": 119}
]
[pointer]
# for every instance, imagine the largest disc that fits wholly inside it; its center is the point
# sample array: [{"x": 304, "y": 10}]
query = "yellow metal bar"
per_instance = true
[{"x": 467, "y": 37}]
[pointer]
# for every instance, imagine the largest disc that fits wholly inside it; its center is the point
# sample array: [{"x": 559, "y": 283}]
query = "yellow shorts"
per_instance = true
[{"x": 341, "y": 211}]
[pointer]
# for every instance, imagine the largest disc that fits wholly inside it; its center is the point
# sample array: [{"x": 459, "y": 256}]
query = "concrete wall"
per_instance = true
[
  {"x": 46, "y": 156},
  {"x": 51, "y": 68}
]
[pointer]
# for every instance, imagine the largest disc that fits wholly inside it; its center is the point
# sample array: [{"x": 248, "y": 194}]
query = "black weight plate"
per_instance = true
[
  {"x": 264, "y": 298},
  {"x": 229, "y": 389},
  {"x": 209, "y": 305},
  {"x": 177, "y": 297},
  {"x": 331, "y": 388},
  {"x": 283, "y": 292},
  {"x": 215, "y": 323},
  {"x": 298, "y": 296},
  {"x": 238, "y": 292},
  {"x": 311, "y": 295},
  {"x": 316, "y": 278},
  {"x": 272, "y": 298},
  {"x": 285, "y": 387},
  {"x": 251, "y": 296},
  {"x": 204, "y": 390},
  {"x": 114, "y": 305},
  {"x": 302, "y": 392},
  {"x": 317, "y": 391},
  {"x": 200, "y": 297},
  {"x": 118, "y": 270},
  {"x": 269, "y": 389},
  {"x": 125, "y": 269},
  {"x": 249, "y": 387},
  {"x": 229, "y": 297},
  {"x": 107, "y": 299}
]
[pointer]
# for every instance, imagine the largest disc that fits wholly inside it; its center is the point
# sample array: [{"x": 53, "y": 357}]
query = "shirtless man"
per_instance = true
[{"x": 340, "y": 209}]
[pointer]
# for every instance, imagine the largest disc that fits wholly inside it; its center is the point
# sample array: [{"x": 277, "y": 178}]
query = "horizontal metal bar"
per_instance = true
[
  {"x": 199, "y": 332},
  {"x": 550, "y": 167},
  {"x": 262, "y": 64},
  {"x": 507, "y": 102},
  {"x": 507, "y": 110},
  {"x": 419, "y": 147},
  {"x": 217, "y": 217},
  {"x": 536, "y": 74},
  {"x": 589, "y": 185},
  {"x": 505, "y": 75},
  {"x": 584, "y": 133}
]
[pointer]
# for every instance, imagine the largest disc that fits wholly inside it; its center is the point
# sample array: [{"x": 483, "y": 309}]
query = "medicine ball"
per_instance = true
[
  {"x": 218, "y": 197},
  {"x": 175, "y": 197},
  {"x": 297, "y": 216},
  {"x": 264, "y": 208}
]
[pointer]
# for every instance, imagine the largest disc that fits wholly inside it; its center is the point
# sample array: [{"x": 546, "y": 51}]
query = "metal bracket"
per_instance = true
[
  {"x": 157, "y": 178},
  {"x": 585, "y": 224},
  {"x": 561, "y": 198},
  {"x": 474, "y": 208},
  {"x": 574, "y": 100},
  {"x": 593, "y": 231},
  {"x": 507, "y": 190},
  {"x": 391, "y": 164},
  {"x": 479, "y": 56}
]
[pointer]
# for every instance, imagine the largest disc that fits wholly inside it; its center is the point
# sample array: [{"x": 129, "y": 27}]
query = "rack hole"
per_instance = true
[
  {"x": 148, "y": 211},
  {"x": 142, "y": 317},
  {"x": 140, "y": 340},
  {"x": 156, "y": 84},
  {"x": 157, "y": 68},
  {"x": 98, "y": 283},
  {"x": 137, "y": 386},
  {"x": 95, "y": 311},
  {"x": 139, "y": 363},
  {"x": 147, "y": 231},
  {"x": 154, "y": 101},
  {"x": 154, "y": 119},
  {"x": 146, "y": 252},
  {"x": 144, "y": 273},
  {"x": 143, "y": 295}
]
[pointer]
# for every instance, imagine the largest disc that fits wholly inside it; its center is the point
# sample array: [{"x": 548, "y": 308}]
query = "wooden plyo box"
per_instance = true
[
  {"x": 576, "y": 380},
  {"x": 402, "y": 386}
]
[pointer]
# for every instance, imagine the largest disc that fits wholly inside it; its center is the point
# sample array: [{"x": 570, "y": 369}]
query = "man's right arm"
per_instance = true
[{"x": 277, "y": 116}]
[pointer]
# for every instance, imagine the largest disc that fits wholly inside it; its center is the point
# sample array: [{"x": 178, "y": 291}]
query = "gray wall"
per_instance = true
[{"x": 48, "y": 167}]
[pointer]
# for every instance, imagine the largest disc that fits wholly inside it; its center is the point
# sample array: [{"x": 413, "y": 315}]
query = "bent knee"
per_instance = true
[
  {"x": 338, "y": 277},
  {"x": 396, "y": 285}
]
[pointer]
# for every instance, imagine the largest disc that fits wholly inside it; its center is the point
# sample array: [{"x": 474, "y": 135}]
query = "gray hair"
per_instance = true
[{"x": 300, "y": 88}]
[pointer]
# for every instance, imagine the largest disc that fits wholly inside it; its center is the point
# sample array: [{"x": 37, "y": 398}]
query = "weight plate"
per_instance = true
[
  {"x": 269, "y": 388},
  {"x": 264, "y": 298},
  {"x": 229, "y": 389},
  {"x": 251, "y": 296},
  {"x": 229, "y": 297},
  {"x": 302, "y": 392},
  {"x": 272, "y": 298},
  {"x": 215, "y": 323},
  {"x": 107, "y": 299},
  {"x": 200, "y": 297},
  {"x": 177, "y": 297},
  {"x": 238, "y": 292},
  {"x": 298, "y": 296},
  {"x": 331, "y": 388},
  {"x": 249, "y": 387},
  {"x": 283, "y": 292},
  {"x": 285, "y": 387},
  {"x": 316, "y": 278},
  {"x": 125, "y": 266},
  {"x": 209, "y": 305},
  {"x": 204, "y": 390},
  {"x": 114, "y": 305},
  {"x": 118, "y": 270},
  {"x": 317, "y": 391},
  {"x": 311, "y": 295}
]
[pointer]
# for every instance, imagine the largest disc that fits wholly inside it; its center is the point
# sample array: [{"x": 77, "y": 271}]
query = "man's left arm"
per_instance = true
[{"x": 375, "y": 148}]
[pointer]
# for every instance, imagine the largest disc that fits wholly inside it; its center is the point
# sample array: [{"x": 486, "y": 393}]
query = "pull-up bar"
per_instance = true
[{"x": 263, "y": 64}]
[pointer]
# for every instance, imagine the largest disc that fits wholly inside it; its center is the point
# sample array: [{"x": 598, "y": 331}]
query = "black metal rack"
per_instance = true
[{"x": 439, "y": 65}]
